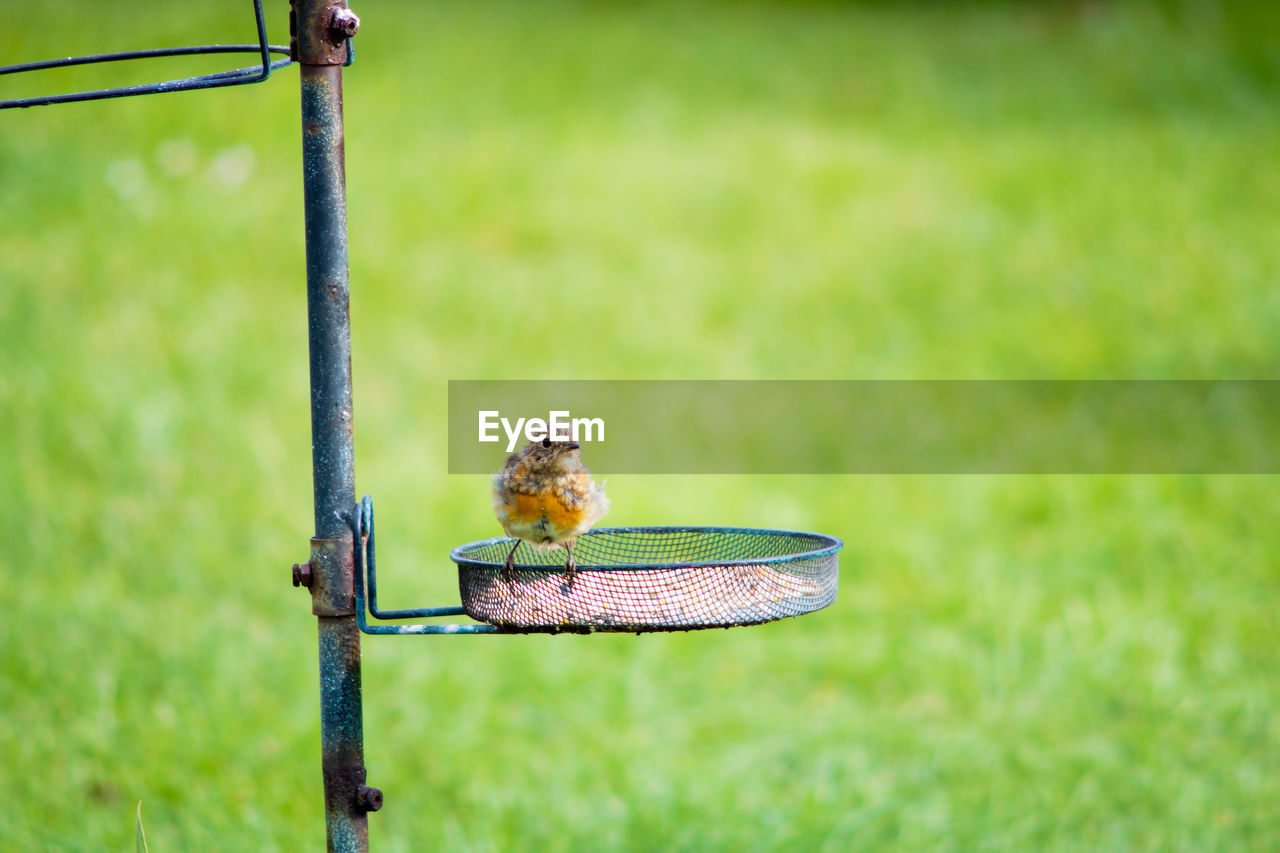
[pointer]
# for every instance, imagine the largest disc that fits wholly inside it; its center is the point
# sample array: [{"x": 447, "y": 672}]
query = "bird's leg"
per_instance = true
[
  {"x": 570, "y": 567},
  {"x": 510, "y": 564}
]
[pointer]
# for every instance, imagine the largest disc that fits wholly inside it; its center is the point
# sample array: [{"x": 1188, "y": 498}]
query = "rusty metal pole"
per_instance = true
[{"x": 321, "y": 29}]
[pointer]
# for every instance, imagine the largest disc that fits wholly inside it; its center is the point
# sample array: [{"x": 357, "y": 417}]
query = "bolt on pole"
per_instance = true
[{"x": 320, "y": 29}]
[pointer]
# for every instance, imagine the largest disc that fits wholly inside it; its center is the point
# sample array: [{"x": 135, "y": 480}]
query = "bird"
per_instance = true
[{"x": 545, "y": 496}]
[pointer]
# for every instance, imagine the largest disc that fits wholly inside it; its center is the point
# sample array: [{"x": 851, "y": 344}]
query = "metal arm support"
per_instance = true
[{"x": 366, "y": 567}]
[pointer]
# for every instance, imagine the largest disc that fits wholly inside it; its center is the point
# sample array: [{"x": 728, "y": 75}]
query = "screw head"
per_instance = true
[
  {"x": 369, "y": 799},
  {"x": 302, "y": 574},
  {"x": 344, "y": 23}
]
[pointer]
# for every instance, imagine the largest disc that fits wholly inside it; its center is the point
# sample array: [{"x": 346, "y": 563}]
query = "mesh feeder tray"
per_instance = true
[{"x": 633, "y": 579}]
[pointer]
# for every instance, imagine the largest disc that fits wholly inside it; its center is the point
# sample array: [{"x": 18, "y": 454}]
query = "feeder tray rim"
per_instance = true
[{"x": 830, "y": 545}]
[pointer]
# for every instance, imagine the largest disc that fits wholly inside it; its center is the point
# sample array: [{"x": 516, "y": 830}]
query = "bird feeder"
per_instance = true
[{"x": 630, "y": 579}]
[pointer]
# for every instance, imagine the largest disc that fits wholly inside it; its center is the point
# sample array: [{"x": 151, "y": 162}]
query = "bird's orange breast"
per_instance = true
[{"x": 528, "y": 509}]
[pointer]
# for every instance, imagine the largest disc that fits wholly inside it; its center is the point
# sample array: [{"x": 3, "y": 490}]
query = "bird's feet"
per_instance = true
[
  {"x": 570, "y": 569},
  {"x": 510, "y": 565}
]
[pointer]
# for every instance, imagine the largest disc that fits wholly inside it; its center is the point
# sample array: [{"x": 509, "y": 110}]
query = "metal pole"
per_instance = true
[{"x": 320, "y": 30}]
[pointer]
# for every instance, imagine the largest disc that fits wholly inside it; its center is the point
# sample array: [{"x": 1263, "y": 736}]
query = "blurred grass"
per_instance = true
[{"x": 728, "y": 190}]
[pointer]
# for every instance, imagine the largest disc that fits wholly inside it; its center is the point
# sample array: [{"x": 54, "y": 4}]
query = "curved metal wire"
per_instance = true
[{"x": 234, "y": 77}]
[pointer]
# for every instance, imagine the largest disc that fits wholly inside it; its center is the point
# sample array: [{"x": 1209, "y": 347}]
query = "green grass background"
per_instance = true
[{"x": 652, "y": 190}]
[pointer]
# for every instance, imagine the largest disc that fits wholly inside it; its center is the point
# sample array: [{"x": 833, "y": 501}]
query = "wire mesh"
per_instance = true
[{"x": 651, "y": 579}]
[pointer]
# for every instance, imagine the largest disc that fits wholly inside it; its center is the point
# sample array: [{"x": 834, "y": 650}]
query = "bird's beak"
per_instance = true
[{"x": 573, "y": 445}]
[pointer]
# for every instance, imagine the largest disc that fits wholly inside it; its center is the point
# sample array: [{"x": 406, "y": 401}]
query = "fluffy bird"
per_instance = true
[{"x": 545, "y": 496}]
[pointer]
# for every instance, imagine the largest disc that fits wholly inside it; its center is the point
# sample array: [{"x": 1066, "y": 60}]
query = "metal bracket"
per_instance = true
[
  {"x": 332, "y": 577},
  {"x": 366, "y": 571}
]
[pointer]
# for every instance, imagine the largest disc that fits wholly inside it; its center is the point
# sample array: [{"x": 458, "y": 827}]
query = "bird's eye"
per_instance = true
[{"x": 546, "y": 442}]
